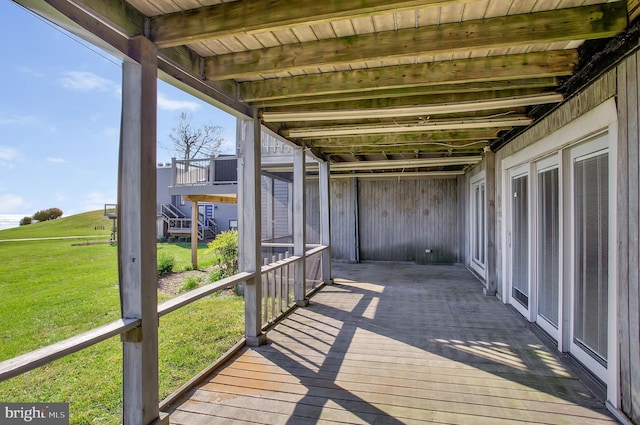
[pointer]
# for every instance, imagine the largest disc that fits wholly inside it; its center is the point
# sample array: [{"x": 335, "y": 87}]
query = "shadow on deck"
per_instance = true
[{"x": 395, "y": 344}]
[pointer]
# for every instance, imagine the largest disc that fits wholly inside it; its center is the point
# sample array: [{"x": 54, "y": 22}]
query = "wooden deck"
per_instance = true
[{"x": 396, "y": 344}]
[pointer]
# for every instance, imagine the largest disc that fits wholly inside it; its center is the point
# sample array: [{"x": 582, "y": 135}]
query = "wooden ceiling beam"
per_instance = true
[
  {"x": 400, "y": 139},
  {"x": 413, "y": 110},
  {"x": 384, "y": 151},
  {"x": 253, "y": 16},
  {"x": 580, "y": 23},
  {"x": 408, "y": 127},
  {"x": 475, "y": 88},
  {"x": 493, "y": 68},
  {"x": 410, "y": 100}
]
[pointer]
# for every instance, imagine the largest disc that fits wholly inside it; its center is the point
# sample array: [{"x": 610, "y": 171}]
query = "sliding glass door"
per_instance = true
[
  {"x": 591, "y": 258},
  {"x": 548, "y": 250},
  {"x": 520, "y": 241}
]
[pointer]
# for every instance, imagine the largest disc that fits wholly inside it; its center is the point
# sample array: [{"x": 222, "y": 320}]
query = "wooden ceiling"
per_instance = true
[{"x": 375, "y": 86}]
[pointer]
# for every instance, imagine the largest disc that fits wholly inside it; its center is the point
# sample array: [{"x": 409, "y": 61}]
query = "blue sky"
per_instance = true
[{"x": 60, "y": 118}]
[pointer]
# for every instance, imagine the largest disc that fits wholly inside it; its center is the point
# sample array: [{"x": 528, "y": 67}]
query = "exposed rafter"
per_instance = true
[
  {"x": 251, "y": 16},
  {"x": 407, "y": 127},
  {"x": 405, "y": 163},
  {"x": 588, "y": 22},
  {"x": 413, "y": 110},
  {"x": 475, "y": 88},
  {"x": 495, "y": 68}
]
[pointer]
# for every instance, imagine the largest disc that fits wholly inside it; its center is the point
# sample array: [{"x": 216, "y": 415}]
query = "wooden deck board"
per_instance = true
[{"x": 396, "y": 344}]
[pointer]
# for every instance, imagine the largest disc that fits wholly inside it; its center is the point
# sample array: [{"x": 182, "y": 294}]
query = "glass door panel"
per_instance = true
[
  {"x": 591, "y": 283},
  {"x": 520, "y": 240},
  {"x": 548, "y": 255}
]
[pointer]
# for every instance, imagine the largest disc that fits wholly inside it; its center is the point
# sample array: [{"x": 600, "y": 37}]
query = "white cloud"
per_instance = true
[
  {"x": 31, "y": 71},
  {"x": 8, "y": 156},
  {"x": 87, "y": 81},
  {"x": 175, "y": 105},
  {"x": 55, "y": 160},
  {"x": 12, "y": 204},
  {"x": 95, "y": 201},
  {"x": 20, "y": 120}
]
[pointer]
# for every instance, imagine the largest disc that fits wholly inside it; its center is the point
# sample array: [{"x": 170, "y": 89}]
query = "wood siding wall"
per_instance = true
[
  {"x": 343, "y": 219},
  {"x": 628, "y": 218},
  {"x": 399, "y": 220}
]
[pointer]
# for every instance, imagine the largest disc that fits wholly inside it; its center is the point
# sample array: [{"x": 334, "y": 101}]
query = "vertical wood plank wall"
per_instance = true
[
  {"x": 628, "y": 235},
  {"x": 343, "y": 219},
  {"x": 398, "y": 219}
]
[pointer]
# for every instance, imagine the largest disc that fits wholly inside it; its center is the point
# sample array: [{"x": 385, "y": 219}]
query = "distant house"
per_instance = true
[
  {"x": 181, "y": 181},
  {"x": 212, "y": 183}
]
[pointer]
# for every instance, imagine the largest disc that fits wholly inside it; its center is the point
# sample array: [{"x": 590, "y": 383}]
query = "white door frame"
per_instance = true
[{"x": 601, "y": 119}]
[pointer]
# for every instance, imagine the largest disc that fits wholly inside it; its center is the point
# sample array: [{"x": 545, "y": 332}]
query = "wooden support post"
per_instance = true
[
  {"x": 325, "y": 220},
  {"x": 490, "y": 208},
  {"x": 194, "y": 234},
  {"x": 299, "y": 226},
  {"x": 249, "y": 222},
  {"x": 137, "y": 238}
]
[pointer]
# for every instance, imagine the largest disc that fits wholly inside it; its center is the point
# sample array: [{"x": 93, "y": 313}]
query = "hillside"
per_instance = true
[{"x": 92, "y": 223}]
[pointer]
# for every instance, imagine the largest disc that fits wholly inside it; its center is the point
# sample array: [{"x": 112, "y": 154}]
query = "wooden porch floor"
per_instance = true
[{"x": 395, "y": 344}]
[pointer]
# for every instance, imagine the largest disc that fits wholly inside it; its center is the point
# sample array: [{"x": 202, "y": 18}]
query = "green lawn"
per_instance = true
[{"x": 52, "y": 289}]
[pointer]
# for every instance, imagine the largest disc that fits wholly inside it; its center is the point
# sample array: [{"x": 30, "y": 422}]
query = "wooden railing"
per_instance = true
[
  {"x": 29, "y": 361},
  {"x": 278, "y": 282},
  {"x": 201, "y": 172},
  {"x": 277, "y": 293}
]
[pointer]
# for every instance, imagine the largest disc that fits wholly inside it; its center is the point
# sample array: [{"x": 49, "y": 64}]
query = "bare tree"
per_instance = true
[{"x": 190, "y": 142}]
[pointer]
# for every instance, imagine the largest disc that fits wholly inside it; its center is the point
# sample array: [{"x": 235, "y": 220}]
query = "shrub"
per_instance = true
[
  {"x": 226, "y": 246},
  {"x": 165, "y": 263},
  {"x": 48, "y": 214},
  {"x": 216, "y": 274},
  {"x": 190, "y": 283},
  {"x": 25, "y": 221}
]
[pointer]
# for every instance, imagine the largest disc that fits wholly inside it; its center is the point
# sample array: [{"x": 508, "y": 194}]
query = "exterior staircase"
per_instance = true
[{"x": 178, "y": 224}]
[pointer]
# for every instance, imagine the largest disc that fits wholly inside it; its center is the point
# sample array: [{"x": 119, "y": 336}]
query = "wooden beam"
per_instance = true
[
  {"x": 137, "y": 233},
  {"x": 216, "y": 199},
  {"x": 407, "y": 138},
  {"x": 474, "y": 148},
  {"x": 494, "y": 68},
  {"x": 408, "y": 127},
  {"x": 299, "y": 226},
  {"x": 405, "y": 163},
  {"x": 412, "y": 110},
  {"x": 580, "y": 23},
  {"x": 398, "y": 175},
  {"x": 249, "y": 223},
  {"x": 252, "y": 16},
  {"x": 410, "y": 99},
  {"x": 476, "y": 88}
]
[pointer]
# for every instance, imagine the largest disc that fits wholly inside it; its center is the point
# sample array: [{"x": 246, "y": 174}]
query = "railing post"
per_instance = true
[
  {"x": 212, "y": 170},
  {"x": 249, "y": 221},
  {"x": 174, "y": 172},
  {"x": 299, "y": 226},
  {"x": 195, "y": 219},
  {"x": 137, "y": 238},
  {"x": 325, "y": 220}
]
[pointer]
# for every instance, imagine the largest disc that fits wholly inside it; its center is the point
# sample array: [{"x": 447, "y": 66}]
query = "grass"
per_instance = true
[{"x": 52, "y": 290}]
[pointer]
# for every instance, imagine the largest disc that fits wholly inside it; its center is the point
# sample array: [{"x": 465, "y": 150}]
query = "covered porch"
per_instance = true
[{"x": 395, "y": 343}]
